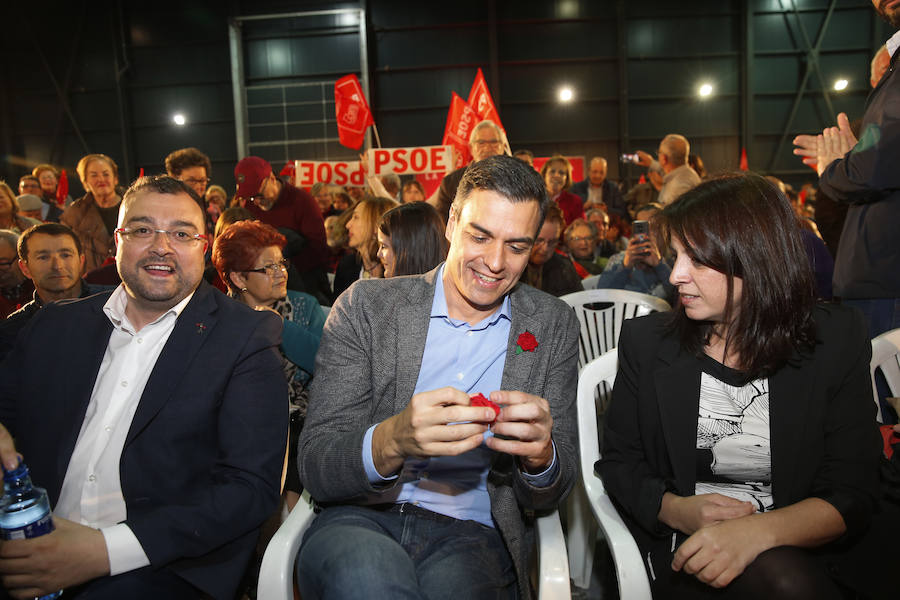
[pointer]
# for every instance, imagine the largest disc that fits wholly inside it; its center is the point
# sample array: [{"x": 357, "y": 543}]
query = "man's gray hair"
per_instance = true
[{"x": 486, "y": 123}]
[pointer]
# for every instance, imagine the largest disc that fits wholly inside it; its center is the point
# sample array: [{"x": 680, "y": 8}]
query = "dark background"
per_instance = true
[{"x": 107, "y": 76}]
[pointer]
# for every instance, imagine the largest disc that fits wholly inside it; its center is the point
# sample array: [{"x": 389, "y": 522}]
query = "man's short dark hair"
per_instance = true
[
  {"x": 29, "y": 178},
  {"x": 161, "y": 184},
  {"x": 524, "y": 152},
  {"x": 54, "y": 229},
  {"x": 509, "y": 177},
  {"x": 185, "y": 158}
]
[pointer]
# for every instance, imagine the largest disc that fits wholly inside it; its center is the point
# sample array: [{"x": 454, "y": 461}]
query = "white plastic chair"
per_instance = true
[
  {"x": 590, "y": 505},
  {"x": 601, "y": 313},
  {"x": 276, "y": 575},
  {"x": 590, "y": 282},
  {"x": 886, "y": 356}
]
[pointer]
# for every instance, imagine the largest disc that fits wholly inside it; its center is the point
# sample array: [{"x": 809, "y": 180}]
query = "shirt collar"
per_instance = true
[
  {"x": 893, "y": 43},
  {"x": 118, "y": 300},
  {"x": 439, "y": 306}
]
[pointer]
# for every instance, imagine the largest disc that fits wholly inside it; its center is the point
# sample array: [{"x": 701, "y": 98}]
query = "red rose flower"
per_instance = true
[{"x": 526, "y": 342}]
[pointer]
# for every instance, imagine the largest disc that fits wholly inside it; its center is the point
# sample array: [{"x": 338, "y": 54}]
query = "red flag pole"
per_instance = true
[{"x": 377, "y": 137}]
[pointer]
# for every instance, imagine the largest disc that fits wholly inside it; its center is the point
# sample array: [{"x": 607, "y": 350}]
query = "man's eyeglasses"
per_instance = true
[
  {"x": 481, "y": 143},
  {"x": 272, "y": 269},
  {"x": 178, "y": 236},
  {"x": 192, "y": 181}
]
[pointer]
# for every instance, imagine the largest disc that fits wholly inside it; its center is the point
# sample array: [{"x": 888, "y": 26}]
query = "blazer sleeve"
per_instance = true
[
  {"x": 869, "y": 171},
  {"x": 340, "y": 405},
  {"x": 627, "y": 474},
  {"x": 242, "y": 487}
]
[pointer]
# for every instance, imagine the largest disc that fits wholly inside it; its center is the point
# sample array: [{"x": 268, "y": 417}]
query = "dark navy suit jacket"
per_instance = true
[{"x": 202, "y": 462}]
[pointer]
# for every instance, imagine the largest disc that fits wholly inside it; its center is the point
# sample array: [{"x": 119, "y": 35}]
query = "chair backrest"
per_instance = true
[
  {"x": 590, "y": 282},
  {"x": 886, "y": 356},
  {"x": 601, "y": 313},
  {"x": 599, "y": 372}
]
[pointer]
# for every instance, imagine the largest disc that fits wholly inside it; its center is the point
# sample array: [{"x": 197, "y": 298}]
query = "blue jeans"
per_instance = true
[{"x": 352, "y": 552}]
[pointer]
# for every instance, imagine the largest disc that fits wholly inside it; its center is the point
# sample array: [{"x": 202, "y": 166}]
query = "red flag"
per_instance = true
[
  {"x": 352, "y": 110},
  {"x": 62, "y": 188},
  {"x": 743, "y": 165},
  {"x": 289, "y": 169},
  {"x": 642, "y": 179},
  {"x": 481, "y": 102},
  {"x": 141, "y": 173},
  {"x": 460, "y": 121}
]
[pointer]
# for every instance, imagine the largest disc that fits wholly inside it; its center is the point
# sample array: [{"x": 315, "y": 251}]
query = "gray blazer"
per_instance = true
[{"x": 366, "y": 371}]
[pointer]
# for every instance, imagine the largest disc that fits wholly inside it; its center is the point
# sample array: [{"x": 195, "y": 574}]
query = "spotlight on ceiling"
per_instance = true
[
  {"x": 178, "y": 119},
  {"x": 705, "y": 90},
  {"x": 841, "y": 84},
  {"x": 565, "y": 94}
]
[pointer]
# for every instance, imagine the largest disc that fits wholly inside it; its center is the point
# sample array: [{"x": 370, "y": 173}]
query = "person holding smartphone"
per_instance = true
[{"x": 640, "y": 267}]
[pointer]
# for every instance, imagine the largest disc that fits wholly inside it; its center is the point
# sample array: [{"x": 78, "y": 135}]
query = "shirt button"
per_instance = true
[
  {"x": 460, "y": 376},
  {"x": 92, "y": 477},
  {"x": 140, "y": 340},
  {"x": 469, "y": 334},
  {"x": 108, "y": 428},
  {"x": 124, "y": 384}
]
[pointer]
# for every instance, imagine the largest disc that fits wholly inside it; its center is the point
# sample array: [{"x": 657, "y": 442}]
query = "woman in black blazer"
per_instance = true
[{"x": 740, "y": 444}]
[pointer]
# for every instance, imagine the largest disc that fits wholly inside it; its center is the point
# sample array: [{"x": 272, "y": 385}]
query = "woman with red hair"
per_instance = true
[{"x": 247, "y": 255}]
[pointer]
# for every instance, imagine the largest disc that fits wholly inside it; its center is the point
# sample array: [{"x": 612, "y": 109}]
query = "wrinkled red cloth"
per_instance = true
[
  {"x": 890, "y": 438},
  {"x": 480, "y": 400}
]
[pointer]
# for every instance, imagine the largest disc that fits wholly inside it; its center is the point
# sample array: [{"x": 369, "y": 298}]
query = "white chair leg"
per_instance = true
[{"x": 582, "y": 537}]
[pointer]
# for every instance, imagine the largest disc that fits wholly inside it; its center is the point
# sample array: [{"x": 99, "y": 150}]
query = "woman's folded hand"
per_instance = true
[{"x": 691, "y": 513}]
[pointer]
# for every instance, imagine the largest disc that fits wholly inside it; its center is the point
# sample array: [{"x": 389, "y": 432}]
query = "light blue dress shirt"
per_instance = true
[{"x": 470, "y": 358}]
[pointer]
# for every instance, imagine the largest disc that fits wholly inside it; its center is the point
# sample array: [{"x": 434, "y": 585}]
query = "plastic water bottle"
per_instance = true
[{"x": 24, "y": 510}]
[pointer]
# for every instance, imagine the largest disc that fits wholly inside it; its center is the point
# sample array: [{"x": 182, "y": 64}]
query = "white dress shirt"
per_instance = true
[{"x": 91, "y": 492}]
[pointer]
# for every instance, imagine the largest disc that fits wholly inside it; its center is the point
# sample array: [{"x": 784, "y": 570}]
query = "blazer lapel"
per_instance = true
[
  {"x": 518, "y": 367},
  {"x": 193, "y": 327},
  {"x": 677, "y": 381},
  {"x": 86, "y": 363},
  {"x": 412, "y": 330}
]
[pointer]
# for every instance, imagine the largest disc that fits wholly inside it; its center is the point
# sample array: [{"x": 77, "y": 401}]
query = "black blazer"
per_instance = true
[
  {"x": 201, "y": 466},
  {"x": 824, "y": 440}
]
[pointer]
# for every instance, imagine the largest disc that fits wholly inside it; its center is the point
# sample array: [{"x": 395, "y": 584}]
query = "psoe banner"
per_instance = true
[
  {"x": 410, "y": 161},
  {"x": 338, "y": 172}
]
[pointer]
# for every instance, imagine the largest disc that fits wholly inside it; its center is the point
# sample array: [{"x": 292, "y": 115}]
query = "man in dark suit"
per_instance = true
[
  {"x": 864, "y": 175},
  {"x": 155, "y": 416},
  {"x": 426, "y": 494},
  {"x": 597, "y": 189}
]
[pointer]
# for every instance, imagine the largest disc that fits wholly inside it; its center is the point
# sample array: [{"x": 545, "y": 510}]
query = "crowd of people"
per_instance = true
[{"x": 178, "y": 361}]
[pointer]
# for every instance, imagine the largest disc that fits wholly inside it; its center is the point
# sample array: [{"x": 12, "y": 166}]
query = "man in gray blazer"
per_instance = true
[{"x": 426, "y": 495}]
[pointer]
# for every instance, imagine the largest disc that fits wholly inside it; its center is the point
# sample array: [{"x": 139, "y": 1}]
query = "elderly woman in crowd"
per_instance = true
[
  {"x": 740, "y": 442},
  {"x": 362, "y": 239},
  {"x": 216, "y": 202},
  {"x": 93, "y": 216},
  {"x": 557, "y": 174},
  {"x": 581, "y": 240},
  {"x": 48, "y": 177},
  {"x": 248, "y": 258},
  {"x": 411, "y": 239},
  {"x": 9, "y": 212}
]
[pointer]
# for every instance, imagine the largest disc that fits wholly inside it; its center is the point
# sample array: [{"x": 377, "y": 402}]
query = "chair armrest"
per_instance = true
[
  {"x": 276, "y": 575},
  {"x": 553, "y": 561},
  {"x": 630, "y": 571}
]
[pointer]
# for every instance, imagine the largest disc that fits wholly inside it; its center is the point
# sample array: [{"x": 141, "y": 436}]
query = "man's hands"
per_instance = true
[
  {"x": 442, "y": 423},
  {"x": 819, "y": 151},
  {"x": 70, "y": 555},
  {"x": 424, "y": 429},
  {"x": 527, "y": 419},
  {"x": 689, "y": 514},
  {"x": 718, "y": 553},
  {"x": 641, "y": 250}
]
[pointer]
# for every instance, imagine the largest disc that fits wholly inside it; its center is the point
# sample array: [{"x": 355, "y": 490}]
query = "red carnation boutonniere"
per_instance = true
[{"x": 526, "y": 342}]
